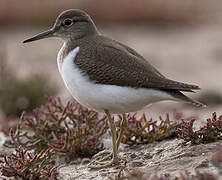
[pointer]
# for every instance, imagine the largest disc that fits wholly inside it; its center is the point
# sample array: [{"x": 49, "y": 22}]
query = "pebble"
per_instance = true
[
  {"x": 137, "y": 164},
  {"x": 147, "y": 156},
  {"x": 133, "y": 156}
]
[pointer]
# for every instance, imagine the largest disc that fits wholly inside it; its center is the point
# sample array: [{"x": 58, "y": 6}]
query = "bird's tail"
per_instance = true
[{"x": 180, "y": 96}]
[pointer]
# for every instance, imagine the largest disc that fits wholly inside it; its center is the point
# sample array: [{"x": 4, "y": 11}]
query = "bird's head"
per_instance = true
[{"x": 70, "y": 25}]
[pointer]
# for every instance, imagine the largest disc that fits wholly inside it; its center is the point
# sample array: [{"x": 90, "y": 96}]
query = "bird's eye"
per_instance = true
[{"x": 67, "y": 22}]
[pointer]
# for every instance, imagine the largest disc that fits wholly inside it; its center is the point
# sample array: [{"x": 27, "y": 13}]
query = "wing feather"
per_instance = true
[{"x": 116, "y": 64}]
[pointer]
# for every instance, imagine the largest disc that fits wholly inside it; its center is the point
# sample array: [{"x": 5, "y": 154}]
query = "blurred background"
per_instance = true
[{"x": 181, "y": 38}]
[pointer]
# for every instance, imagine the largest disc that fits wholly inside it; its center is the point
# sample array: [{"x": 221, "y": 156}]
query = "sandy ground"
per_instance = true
[
  {"x": 168, "y": 158},
  {"x": 189, "y": 54}
]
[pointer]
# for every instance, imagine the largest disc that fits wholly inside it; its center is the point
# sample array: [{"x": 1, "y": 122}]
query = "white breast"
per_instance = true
[{"x": 116, "y": 99}]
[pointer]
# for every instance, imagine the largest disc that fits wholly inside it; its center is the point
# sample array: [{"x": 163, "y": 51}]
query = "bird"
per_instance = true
[{"x": 108, "y": 76}]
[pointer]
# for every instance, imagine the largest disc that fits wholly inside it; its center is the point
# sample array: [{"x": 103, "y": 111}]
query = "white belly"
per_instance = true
[{"x": 116, "y": 99}]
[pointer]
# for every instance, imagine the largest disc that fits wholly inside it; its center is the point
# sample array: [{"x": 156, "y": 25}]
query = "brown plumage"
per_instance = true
[{"x": 106, "y": 61}]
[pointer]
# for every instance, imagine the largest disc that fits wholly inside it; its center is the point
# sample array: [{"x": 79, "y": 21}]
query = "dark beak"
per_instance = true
[{"x": 43, "y": 35}]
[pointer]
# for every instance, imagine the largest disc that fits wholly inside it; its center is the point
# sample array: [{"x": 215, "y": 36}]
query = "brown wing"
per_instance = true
[{"x": 116, "y": 64}]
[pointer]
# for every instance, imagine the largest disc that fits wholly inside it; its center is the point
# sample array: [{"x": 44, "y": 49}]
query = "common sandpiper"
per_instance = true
[{"x": 108, "y": 76}]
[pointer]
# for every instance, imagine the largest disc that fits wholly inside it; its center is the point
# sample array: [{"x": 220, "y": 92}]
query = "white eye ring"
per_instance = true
[{"x": 67, "y": 22}]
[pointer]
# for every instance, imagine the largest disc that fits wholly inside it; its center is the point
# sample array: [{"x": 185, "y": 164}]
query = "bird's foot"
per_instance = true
[
  {"x": 99, "y": 164},
  {"x": 104, "y": 159},
  {"x": 103, "y": 153}
]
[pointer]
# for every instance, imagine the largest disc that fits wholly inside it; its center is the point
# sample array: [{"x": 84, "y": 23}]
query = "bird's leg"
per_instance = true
[
  {"x": 115, "y": 160},
  {"x": 123, "y": 127},
  {"x": 107, "y": 154},
  {"x": 113, "y": 132}
]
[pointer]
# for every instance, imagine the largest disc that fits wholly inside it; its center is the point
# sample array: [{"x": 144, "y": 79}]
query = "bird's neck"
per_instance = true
[{"x": 69, "y": 45}]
